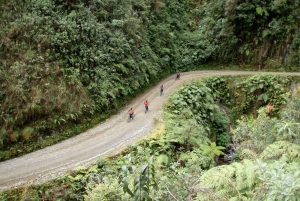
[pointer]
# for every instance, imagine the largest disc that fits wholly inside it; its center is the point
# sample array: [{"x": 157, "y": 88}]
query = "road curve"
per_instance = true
[{"x": 105, "y": 138}]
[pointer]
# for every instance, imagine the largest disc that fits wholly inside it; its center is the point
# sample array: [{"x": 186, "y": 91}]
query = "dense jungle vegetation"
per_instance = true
[
  {"x": 67, "y": 65},
  {"x": 179, "y": 161}
]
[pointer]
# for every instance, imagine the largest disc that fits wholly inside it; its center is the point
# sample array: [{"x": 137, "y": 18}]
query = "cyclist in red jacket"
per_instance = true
[{"x": 146, "y": 103}]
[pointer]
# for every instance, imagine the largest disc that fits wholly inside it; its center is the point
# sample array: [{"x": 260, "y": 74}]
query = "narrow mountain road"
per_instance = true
[{"x": 106, "y": 138}]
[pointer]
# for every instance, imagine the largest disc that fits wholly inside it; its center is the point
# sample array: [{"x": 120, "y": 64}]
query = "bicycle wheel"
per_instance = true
[
  {"x": 146, "y": 109},
  {"x": 130, "y": 118}
]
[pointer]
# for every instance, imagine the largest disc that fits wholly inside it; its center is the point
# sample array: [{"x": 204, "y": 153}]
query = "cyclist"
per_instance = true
[
  {"x": 161, "y": 89},
  {"x": 131, "y": 112},
  {"x": 178, "y": 75},
  {"x": 146, "y": 103}
]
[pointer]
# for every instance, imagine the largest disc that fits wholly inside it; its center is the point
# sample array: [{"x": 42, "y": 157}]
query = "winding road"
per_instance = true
[{"x": 106, "y": 138}]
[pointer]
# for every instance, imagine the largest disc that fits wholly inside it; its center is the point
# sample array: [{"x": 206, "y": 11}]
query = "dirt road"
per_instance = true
[{"x": 106, "y": 138}]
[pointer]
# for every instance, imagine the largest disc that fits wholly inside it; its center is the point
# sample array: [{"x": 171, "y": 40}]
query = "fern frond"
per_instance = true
[
  {"x": 231, "y": 180},
  {"x": 234, "y": 199},
  {"x": 249, "y": 154},
  {"x": 206, "y": 194},
  {"x": 251, "y": 178},
  {"x": 219, "y": 178},
  {"x": 279, "y": 149},
  {"x": 240, "y": 177},
  {"x": 228, "y": 171},
  {"x": 162, "y": 159}
]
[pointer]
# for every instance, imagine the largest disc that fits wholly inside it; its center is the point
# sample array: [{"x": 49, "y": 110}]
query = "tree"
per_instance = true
[{"x": 212, "y": 151}]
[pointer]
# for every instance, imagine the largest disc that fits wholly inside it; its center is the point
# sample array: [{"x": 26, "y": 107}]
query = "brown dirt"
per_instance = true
[{"x": 106, "y": 138}]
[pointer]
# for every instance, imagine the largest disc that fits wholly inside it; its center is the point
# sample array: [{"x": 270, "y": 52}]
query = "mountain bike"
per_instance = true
[
  {"x": 146, "y": 108},
  {"x": 130, "y": 118}
]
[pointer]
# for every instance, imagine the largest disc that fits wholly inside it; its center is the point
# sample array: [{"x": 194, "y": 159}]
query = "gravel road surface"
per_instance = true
[{"x": 105, "y": 138}]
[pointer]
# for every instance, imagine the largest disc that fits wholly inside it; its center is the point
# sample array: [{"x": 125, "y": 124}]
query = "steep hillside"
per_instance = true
[
  {"x": 70, "y": 62},
  {"x": 66, "y": 65},
  {"x": 263, "y": 33}
]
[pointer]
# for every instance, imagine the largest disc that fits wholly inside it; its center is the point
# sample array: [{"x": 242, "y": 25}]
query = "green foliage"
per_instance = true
[
  {"x": 254, "y": 139},
  {"x": 256, "y": 180},
  {"x": 282, "y": 151},
  {"x": 220, "y": 86},
  {"x": 27, "y": 132},
  {"x": 196, "y": 161},
  {"x": 259, "y": 90},
  {"x": 287, "y": 174},
  {"x": 288, "y": 130},
  {"x": 143, "y": 182},
  {"x": 197, "y": 98},
  {"x": 93, "y": 56},
  {"x": 105, "y": 191},
  {"x": 196, "y": 101},
  {"x": 291, "y": 111},
  {"x": 176, "y": 172},
  {"x": 183, "y": 134},
  {"x": 234, "y": 181},
  {"x": 255, "y": 133},
  {"x": 212, "y": 151},
  {"x": 177, "y": 183},
  {"x": 96, "y": 55},
  {"x": 260, "y": 31}
]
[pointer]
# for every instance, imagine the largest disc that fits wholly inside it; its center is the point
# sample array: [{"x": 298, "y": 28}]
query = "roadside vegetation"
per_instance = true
[
  {"x": 67, "y": 65},
  {"x": 181, "y": 159}
]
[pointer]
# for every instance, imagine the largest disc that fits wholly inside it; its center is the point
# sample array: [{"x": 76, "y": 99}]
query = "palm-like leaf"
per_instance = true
[{"x": 212, "y": 151}]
